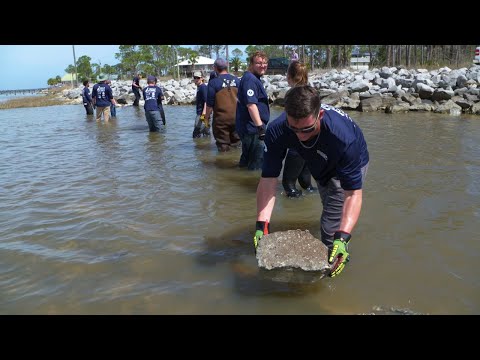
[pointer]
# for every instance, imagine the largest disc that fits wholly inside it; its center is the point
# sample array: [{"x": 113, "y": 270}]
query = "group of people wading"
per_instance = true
[
  {"x": 307, "y": 139},
  {"x": 244, "y": 122}
]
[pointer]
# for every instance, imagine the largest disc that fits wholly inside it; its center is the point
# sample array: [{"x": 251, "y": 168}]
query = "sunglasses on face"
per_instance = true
[
  {"x": 306, "y": 129},
  {"x": 196, "y": 78}
]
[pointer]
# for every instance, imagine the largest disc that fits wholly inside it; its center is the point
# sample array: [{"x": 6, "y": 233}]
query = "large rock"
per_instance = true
[{"x": 293, "y": 249}]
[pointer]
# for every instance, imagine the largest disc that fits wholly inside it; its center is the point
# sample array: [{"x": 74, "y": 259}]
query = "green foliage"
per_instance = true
[
  {"x": 54, "y": 81},
  {"x": 84, "y": 68},
  {"x": 235, "y": 63},
  {"x": 130, "y": 56},
  {"x": 272, "y": 51},
  {"x": 183, "y": 53},
  {"x": 203, "y": 50},
  {"x": 218, "y": 50},
  {"x": 70, "y": 69},
  {"x": 237, "y": 53},
  {"x": 160, "y": 59}
]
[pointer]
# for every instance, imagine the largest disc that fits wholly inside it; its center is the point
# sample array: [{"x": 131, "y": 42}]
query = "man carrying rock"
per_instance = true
[{"x": 336, "y": 153}]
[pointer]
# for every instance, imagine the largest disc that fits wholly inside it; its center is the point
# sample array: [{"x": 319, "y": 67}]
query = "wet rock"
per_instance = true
[{"x": 293, "y": 250}]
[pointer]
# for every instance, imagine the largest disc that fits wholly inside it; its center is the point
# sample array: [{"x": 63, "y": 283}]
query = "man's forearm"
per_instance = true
[
  {"x": 254, "y": 114},
  {"x": 208, "y": 111},
  {"x": 351, "y": 210},
  {"x": 266, "y": 198}
]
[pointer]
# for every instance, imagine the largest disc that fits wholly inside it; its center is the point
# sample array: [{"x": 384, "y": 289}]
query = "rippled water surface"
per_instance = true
[{"x": 102, "y": 218}]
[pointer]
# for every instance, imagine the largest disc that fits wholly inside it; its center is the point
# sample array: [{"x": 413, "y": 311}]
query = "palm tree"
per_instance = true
[
  {"x": 236, "y": 63},
  {"x": 193, "y": 58}
]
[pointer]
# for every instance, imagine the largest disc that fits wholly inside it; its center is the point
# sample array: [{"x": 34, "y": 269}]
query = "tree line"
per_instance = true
[{"x": 161, "y": 59}]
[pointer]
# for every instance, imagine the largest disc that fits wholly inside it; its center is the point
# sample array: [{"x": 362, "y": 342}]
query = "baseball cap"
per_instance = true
[
  {"x": 220, "y": 64},
  {"x": 151, "y": 79},
  {"x": 197, "y": 74},
  {"x": 102, "y": 77}
]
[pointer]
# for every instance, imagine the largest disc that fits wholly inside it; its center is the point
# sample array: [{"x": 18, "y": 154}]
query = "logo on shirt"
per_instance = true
[
  {"x": 322, "y": 154},
  {"x": 228, "y": 83},
  {"x": 249, "y": 92},
  {"x": 150, "y": 92}
]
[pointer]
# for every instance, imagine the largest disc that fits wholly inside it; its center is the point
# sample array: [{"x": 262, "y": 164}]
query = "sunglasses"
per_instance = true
[
  {"x": 306, "y": 129},
  {"x": 196, "y": 78}
]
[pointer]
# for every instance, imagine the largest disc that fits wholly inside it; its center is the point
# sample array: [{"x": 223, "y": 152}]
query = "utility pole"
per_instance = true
[
  {"x": 228, "y": 63},
  {"x": 75, "y": 64},
  {"x": 178, "y": 67},
  {"x": 175, "y": 53}
]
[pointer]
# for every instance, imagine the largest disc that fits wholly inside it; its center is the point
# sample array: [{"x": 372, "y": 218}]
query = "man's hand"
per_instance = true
[
  {"x": 339, "y": 255},
  {"x": 261, "y": 228},
  {"x": 261, "y": 132}
]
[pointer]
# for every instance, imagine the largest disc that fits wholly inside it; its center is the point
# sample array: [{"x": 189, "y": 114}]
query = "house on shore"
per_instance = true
[
  {"x": 359, "y": 61},
  {"x": 203, "y": 64},
  {"x": 69, "y": 79}
]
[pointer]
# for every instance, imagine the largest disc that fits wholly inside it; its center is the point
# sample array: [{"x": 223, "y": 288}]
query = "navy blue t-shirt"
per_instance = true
[
  {"x": 152, "y": 95},
  {"x": 251, "y": 91},
  {"x": 339, "y": 151},
  {"x": 201, "y": 98},
  {"x": 136, "y": 80},
  {"x": 103, "y": 94},
  {"x": 86, "y": 95},
  {"x": 219, "y": 83}
]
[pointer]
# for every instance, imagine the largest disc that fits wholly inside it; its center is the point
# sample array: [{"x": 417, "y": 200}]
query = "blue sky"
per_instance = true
[{"x": 30, "y": 66}]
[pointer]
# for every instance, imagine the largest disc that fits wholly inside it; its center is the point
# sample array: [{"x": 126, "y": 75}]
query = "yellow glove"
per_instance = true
[
  {"x": 205, "y": 121},
  {"x": 339, "y": 255},
  {"x": 261, "y": 228}
]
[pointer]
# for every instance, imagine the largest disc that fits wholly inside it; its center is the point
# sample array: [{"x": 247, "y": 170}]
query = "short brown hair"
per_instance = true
[{"x": 302, "y": 101}]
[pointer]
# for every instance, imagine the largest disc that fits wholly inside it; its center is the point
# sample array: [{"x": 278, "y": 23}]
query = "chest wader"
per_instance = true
[{"x": 224, "y": 112}]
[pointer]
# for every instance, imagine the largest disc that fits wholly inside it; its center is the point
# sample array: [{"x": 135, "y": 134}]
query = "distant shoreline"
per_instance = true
[{"x": 50, "y": 98}]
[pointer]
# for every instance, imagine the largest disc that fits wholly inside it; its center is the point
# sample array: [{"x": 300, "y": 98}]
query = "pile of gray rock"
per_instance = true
[{"x": 389, "y": 89}]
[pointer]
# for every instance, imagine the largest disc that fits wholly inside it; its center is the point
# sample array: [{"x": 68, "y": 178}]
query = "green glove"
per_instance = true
[
  {"x": 339, "y": 255},
  {"x": 261, "y": 228}
]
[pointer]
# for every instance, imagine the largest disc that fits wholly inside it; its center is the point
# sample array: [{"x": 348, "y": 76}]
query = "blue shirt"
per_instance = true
[
  {"x": 136, "y": 80},
  {"x": 86, "y": 95},
  {"x": 103, "y": 94},
  {"x": 251, "y": 91},
  {"x": 339, "y": 150},
  {"x": 153, "y": 98},
  {"x": 201, "y": 98}
]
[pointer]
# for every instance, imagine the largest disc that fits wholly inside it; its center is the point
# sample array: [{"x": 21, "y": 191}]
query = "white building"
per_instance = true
[
  {"x": 203, "y": 64},
  {"x": 358, "y": 62}
]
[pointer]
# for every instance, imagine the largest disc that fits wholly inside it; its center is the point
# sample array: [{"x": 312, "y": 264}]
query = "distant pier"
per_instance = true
[{"x": 22, "y": 91}]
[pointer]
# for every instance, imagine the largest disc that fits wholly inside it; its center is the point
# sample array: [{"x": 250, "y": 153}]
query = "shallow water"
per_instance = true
[{"x": 110, "y": 219}]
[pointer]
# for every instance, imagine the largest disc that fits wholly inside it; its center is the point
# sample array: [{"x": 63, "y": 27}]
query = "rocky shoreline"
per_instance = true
[{"x": 389, "y": 89}]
